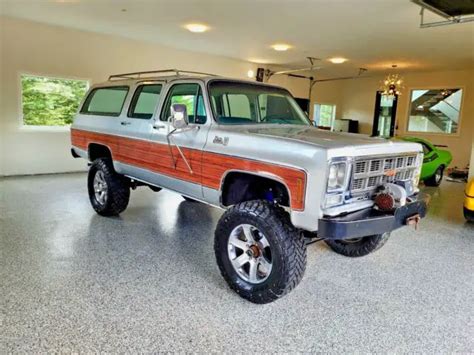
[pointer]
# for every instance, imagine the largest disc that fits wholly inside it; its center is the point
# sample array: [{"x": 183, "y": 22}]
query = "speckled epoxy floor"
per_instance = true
[{"x": 72, "y": 281}]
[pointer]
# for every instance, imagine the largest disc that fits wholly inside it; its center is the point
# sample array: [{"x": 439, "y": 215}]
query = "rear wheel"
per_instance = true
[
  {"x": 109, "y": 192},
  {"x": 358, "y": 246},
  {"x": 259, "y": 253},
  {"x": 437, "y": 177}
]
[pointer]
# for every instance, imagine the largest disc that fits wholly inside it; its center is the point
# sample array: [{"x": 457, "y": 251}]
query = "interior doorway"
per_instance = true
[{"x": 384, "y": 115}]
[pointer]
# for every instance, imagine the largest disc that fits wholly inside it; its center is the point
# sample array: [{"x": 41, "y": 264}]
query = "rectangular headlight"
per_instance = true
[{"x": 337, "y": 176}]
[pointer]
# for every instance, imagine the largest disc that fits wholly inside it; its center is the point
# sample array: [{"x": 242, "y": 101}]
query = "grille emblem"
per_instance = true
[{"x": 390, "y": 172}]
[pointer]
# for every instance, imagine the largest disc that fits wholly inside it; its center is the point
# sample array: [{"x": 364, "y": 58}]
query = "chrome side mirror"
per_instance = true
[{"x": 179, "y": 116}]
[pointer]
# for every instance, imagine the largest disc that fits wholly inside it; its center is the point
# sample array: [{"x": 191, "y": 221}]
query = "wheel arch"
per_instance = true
[
  {"x": 98, "y": 150},
  {"x": 267, "y": 179}
]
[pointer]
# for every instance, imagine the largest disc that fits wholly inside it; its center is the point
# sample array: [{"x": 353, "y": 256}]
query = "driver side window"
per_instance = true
[
  {"x": 426, "y": 148},
  {"x": 189, "y": 95}
]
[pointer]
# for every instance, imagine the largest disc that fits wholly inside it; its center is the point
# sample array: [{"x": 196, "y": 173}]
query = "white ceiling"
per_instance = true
[{"x": 370, "y": 33}]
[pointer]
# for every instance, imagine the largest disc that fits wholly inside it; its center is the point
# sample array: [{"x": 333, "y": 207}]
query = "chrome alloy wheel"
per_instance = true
[
  {"x": 249, "y": 253},
  {"x": 100, "y": 187}
]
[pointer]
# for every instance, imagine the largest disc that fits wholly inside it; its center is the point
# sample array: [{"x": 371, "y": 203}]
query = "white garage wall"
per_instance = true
[{"x": 29, "y": 47}]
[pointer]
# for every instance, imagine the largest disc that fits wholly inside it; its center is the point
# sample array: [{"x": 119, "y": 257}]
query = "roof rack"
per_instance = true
[{"x": 139, "y": 74}]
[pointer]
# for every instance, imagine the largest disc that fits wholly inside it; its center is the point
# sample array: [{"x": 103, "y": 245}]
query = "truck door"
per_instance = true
[
  {"x": 178, "y": 164},
  {"x": 134, "y": 126}
]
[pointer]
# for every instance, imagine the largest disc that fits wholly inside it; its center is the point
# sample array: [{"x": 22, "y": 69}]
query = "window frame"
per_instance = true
[
  {"x": 258, "y": 84},
  {"x": 437, "y": 87},
  {"x": 136, "y": 94},
  {"x": 21, "y": 123},
  {"x": 333, "y": 118},
  {"x": 90, "y": 95},
  {"x": 168, "y": 95}
]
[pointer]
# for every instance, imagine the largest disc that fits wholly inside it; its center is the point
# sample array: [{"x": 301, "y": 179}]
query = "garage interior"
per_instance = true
[{"x": 147, "y": 281}]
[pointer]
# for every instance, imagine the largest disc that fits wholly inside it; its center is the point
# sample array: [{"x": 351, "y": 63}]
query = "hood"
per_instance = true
[{"x": 308, "y": 134}]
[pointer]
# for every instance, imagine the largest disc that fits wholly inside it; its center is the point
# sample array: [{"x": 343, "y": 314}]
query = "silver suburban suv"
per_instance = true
[{"x": 248, "y": 148}]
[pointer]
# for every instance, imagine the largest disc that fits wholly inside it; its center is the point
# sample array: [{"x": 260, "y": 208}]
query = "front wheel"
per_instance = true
[
  {"x": 437, "y": 177},
  {"x": 109, "y": 192},
  {"x": 259, "y": 253},
  {"x": 358, "y": 246}
]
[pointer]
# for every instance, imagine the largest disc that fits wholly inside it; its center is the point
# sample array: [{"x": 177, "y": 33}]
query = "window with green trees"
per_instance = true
[
  {"x": 50, "y": 101},
  {"x": 324, "y": 114}
]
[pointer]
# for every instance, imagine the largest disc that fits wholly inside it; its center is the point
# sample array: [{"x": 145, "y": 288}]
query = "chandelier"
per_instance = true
[
  {"x": 392, "y": 85},
  {"x": 446, "y": 92}
]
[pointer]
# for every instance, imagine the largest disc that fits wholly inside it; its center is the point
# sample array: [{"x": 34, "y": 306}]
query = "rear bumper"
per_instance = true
[{"x": 370, "y": 221}]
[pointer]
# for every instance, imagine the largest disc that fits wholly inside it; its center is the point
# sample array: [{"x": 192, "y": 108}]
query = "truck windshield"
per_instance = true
[{"x": 235, "y": 103}]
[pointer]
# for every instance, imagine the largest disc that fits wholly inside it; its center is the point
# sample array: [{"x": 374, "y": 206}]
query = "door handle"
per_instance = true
[
  {"x": 125, "y": 123},
  {"x": 158, "y": 126}
]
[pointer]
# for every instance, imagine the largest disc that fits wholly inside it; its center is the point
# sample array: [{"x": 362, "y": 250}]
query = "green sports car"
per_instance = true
[{"x": 435, "y": 160}]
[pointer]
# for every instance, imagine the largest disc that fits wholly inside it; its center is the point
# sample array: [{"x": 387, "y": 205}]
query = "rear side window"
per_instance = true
[
  {"x": 105, "y": 101},
  {"x": 144, "y": 101}
]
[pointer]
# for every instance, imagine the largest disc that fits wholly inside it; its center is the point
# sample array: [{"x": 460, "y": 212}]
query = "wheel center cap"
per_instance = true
[{"x": 253, "y": 251}]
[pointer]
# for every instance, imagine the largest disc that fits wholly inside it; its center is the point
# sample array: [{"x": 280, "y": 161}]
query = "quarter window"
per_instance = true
[
  {"x": 144, "y": 101},
  {"x": 105, "y": 101}
]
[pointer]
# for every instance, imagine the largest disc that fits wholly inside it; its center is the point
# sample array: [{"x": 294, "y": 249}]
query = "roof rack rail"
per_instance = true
[{"x": 139, "y": 74}]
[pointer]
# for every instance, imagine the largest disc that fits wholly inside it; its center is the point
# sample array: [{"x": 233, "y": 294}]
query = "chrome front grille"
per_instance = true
[{"x": 368, "y": 173}]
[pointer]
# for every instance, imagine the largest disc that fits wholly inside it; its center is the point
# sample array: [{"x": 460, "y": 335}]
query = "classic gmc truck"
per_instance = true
[{"x": 248, "y": 148}]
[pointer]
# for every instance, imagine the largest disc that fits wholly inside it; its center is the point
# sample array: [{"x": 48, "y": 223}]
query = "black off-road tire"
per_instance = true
[
  {"x": 469, "y": 215},
  {"x": 118, "y": 188},
  {"x": 358, "y": 247},
  {"x": 437, "y": 177},
  {"x": 287, "y": 245}
]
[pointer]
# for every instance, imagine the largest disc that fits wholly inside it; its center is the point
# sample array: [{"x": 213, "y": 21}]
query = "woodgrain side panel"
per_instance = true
[{"x": 208, "y": 168}]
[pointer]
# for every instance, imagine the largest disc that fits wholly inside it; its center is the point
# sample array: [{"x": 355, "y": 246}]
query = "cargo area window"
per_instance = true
[
  {"x": 107, "y": 101},
  {"x": 144, "y": 101},
  {"x": 50, "y": 101}
]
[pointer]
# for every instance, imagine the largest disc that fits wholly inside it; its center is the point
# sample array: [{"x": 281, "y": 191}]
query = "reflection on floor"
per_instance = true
[{"x": 148, "y": 281}]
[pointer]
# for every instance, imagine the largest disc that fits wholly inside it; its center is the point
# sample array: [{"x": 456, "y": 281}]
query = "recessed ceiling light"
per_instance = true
[
  {"x": 337, "y": 60},
  {"x": 250, "y": 73},
  {"x": 197, "y": 27},
  {"x": 281, "y": 47},
  {"x": 259, "y": 60}
]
